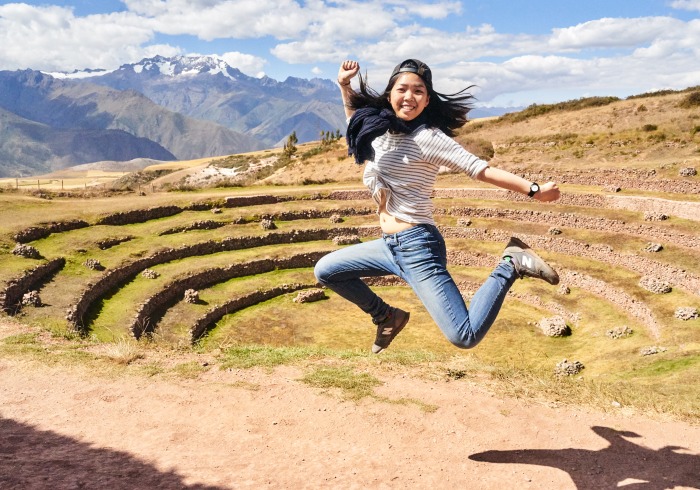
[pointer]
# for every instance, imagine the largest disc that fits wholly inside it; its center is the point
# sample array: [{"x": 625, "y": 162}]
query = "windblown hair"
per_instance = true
[{"x": 447, "y": 112}]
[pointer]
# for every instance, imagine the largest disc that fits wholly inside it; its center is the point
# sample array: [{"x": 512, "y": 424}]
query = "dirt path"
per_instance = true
[{"x": 67, "y": 428}]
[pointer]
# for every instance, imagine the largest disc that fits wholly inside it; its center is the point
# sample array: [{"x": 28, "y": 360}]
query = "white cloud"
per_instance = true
[
  {"x": 248, "y": 64},
  {"x": 607, "y": 54},
  {"x": 52, "y": 38},
  {"x": 608, "y": 33},
  {"x": 439, "y": 10},
  {"x": 686, "y": 4},
  {"x": 612, "y": 56},
  {"x": 552, "y": 76},
  {"x": 221, "y": 19},
  {"x": 309, "y": 51}
]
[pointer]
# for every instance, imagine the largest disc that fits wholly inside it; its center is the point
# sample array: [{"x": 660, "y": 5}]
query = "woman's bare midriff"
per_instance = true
[{"x": 390, "y": 224}]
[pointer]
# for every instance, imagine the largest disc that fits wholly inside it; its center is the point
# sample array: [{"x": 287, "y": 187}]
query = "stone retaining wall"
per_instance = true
[
  {"x": 624, "y": 178},
  {"x": 37, "y": 232},
  {"x": 11, "y": 295},
  {"x": 570, "y": 220},
  {"x": 687, "y": 210},
  {"x": 245, "y": 201},
  {"x": 619, "y": 298},
  {"x": 637, "y": 263},
  {"x": 151, "y": 310},
  {"x": 114, "y": 278},
  {"x": 122, "y": 218},
  {"x": 205, "y": 323},
  {"x": 622, "y": 300}
]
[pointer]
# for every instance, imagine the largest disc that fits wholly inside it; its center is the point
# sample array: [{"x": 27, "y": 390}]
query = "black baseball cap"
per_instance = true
[{"x": 414, "y": 66}]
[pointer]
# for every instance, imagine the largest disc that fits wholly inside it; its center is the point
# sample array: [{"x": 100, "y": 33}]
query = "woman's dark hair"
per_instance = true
[{"x": 447, "y": 112}]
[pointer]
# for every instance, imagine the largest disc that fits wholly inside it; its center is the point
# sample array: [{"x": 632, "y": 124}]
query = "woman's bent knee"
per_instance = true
[
  {"x": 464, "y": 343},
  {"x": 321, "y": 274},
  {"x": 323, "y": 270}
]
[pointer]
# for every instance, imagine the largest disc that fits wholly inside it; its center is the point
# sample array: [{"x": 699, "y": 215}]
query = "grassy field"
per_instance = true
[{"x": 515, "y": 354}]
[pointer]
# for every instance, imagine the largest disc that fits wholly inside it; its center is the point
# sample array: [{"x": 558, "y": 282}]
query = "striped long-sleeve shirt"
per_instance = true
[{"x": 405, "y": 166}]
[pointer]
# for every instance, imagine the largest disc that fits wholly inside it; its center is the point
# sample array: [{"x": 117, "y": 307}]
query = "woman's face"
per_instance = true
[{"x": 409, "y": 96}]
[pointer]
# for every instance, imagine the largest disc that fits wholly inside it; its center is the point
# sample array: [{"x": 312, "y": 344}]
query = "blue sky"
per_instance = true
[{"x": 516, "y": 52}]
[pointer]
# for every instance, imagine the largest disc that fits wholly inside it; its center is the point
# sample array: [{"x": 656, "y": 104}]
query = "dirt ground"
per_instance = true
[{"x": 67, "y": 428}]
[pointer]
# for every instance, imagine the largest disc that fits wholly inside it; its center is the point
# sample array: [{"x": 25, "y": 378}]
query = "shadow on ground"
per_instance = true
[
  {"x": 37, "y": 459},
  {"x": 621, "y": 464}
]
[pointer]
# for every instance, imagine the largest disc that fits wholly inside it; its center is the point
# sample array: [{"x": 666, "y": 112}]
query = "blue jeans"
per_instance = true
[{"x": 418, "y": 256}]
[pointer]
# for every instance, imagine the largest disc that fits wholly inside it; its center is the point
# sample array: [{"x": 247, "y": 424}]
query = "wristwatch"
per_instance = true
[{"x": 534, "y": 189}]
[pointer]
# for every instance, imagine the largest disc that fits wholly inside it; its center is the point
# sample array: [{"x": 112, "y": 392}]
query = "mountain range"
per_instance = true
[{"x": 160, "y": 108}]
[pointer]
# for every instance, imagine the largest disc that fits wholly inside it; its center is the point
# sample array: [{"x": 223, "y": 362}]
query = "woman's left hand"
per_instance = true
[{"x": 548, "y": 192}]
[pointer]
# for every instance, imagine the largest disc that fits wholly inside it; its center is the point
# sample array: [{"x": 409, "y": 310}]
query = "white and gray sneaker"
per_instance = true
[{"x": 528, "y": 263}]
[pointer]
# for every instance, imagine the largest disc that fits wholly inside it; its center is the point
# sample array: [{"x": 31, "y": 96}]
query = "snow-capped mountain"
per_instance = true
[
  {"x": 163, "y": 108},
  {"x": 160, "y": 65},
  {"x": 48, "y": 124},
  {"x": 206, "y": 87}
]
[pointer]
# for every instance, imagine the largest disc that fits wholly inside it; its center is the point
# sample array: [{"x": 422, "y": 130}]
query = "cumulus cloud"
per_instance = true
[
  {"x": 222, "y": 19},
  {"x": 439, "y": 10},
  {"x": 248, "y": 64},
  {"x": 610, "y": 33},
  {"x": 614, "y": 54},
  {"x": 686, "y": 4},
  {"x": 610, "y": 56},
  {"x": 52, "y": 38}
]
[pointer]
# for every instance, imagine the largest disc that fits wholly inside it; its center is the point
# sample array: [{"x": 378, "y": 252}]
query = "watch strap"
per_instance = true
[{"x": 534, "y": 188}]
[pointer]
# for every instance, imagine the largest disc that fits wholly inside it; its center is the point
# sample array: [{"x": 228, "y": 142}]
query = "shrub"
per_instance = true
[
  {"x": 571, "y": 105},
  {"x": 656, "y": 138},
  {"x": 238, "y": 162},
  {"x": 479, "y": 147},
  {"x": 691, "y": 100},
  {"x": 658, "y": 93},
  {"x": 650, "y": 127}
]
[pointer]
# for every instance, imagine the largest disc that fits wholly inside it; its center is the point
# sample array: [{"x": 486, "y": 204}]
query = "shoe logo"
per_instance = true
[
  {"x": 527, "y": 262},
  {"x": 387, "y": 331}
]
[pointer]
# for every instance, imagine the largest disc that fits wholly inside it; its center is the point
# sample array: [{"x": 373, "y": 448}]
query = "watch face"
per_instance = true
[{"x": 534, "y": 188}]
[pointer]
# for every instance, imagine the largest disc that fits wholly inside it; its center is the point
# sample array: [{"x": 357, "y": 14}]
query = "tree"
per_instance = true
[{"x": 290, "y": 147}]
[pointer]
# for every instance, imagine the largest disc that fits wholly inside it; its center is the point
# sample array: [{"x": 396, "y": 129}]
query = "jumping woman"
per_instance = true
[{"x": 403, "y": 136}]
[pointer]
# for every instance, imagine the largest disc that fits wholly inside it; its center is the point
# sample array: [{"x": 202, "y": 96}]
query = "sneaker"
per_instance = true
[
  {"x": 528, "y": 263},
  {"x": 389, "y": 328}
]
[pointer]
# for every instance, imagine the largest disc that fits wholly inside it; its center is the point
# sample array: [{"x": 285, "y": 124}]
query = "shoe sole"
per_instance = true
[{"x": 398, "y": 331}]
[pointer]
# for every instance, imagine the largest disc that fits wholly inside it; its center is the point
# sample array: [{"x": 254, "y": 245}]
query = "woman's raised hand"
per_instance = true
[
  {"x": 348, "y": 69},
  {"x": 548, "y": 192}
]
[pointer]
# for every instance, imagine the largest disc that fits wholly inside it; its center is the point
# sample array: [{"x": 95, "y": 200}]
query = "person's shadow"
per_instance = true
[
  {"x": 622, "y": 464},
  {"x": 31, "y": 458}
]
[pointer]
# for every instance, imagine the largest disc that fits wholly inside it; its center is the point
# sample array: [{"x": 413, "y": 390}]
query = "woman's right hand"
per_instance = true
[{"x": 348, "y": 69}]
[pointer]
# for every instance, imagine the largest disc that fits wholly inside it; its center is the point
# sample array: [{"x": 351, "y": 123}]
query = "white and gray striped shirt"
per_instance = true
[{"x": 405, "y": 167}]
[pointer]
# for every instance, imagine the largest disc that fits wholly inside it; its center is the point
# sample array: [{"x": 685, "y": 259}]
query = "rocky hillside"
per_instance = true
[
  {"x": 654, "y": 138},
  {"x": 648, "y": 131},
  {"x": 208, "y": 88},
  {"x": 47, "y": 124}
]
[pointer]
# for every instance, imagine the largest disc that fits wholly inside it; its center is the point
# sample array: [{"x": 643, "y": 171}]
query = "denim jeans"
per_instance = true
[{"x": 418, "y": 256}]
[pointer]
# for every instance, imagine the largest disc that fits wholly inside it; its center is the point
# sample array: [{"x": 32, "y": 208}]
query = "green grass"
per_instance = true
[
  {"x": 248, "y": 356},
  {"x": 189, "y": 370},
  {"x": 354, "y": 385}
]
